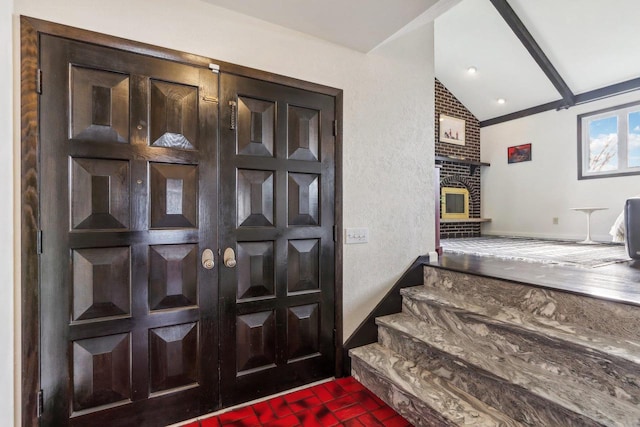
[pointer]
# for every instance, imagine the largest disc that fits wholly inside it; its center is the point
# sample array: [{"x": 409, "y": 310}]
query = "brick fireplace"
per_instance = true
[{"x": 459, "y": 163}]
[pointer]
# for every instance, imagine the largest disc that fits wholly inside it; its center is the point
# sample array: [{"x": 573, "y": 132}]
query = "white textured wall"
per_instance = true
[
  {"x": 523, "y": 198},
  {"x": 388, "y": 169},
  {"x": 388, "y": 117}
]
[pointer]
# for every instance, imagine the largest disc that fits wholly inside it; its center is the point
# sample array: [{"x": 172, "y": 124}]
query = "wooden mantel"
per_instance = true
[
  {"x": 454, "y": 220},
  {"x": 472, "y": 163}
]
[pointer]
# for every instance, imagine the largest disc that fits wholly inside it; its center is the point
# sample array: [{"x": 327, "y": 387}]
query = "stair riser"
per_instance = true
[
  {"x": 516, "y": 402},
  {"x": 410, "y": 407},
  {"x": 591, "y": 369},
  {"x": 472, "y": 349},
  {"x": 550, "y": 306},
  {"x": 434, "y": 399}
]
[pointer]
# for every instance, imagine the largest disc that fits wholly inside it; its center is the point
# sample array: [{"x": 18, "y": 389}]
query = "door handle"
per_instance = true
[
  {"x": 229, "y": 258},
  {"x": 207, "y": 259}
]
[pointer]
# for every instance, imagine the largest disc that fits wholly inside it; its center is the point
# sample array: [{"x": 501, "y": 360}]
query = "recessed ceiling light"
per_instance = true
[
  {"x": 472, "y": 70},
  {"x": 501, "y": 100}
]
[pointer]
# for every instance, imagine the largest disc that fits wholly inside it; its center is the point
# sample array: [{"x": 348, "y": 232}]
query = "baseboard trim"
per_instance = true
[{"x": 367, "y": 331}]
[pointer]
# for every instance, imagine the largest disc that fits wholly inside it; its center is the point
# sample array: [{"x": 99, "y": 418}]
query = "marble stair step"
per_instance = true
[
  {"x": 423, "y": 398},
  {"x": 593, "y": 363},
  {"x": 474, "y": 350},
  {"x": 513, "y": 400},
  {"x": 421, "y": 300},
  {"x": 567, "y": 313}
]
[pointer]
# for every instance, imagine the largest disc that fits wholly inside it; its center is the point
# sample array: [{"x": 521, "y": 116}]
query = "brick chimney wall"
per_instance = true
[{"x": 454, "y": 174}]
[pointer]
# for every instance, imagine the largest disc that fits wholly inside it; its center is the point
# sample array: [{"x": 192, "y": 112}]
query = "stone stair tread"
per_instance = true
[
  {"x": 569, "y": 391},
  {"x": 573, "y": 333},
  {"x": 453, "y": 404},
  {"x": 601, "y": 370},
  {"x": 513, "y": 400}
]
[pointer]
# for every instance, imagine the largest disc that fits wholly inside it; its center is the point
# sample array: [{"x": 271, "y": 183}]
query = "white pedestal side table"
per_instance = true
[{"x": 588, "y": 212}]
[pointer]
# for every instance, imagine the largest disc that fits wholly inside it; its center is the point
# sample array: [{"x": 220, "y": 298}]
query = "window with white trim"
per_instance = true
[{"x": 609, "y": 142}]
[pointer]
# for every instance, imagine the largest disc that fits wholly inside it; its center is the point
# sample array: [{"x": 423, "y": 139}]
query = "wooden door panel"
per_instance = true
[
  {"x": 303, "y": 199},
  {"x": 303, "y": 266},
  {"x": 255, "y": 205},
  {"x": 256, "y": 270},
  {"x": 101, "y": 372},
  {"x": 101, "y": 283},
  {"x": 303, "y": 331},
  {"x": 258, "y": 330},
  {"x": 174, "y": 195},
  {"x": 99, "y": 194},
  {"x": 174, "y": 115},
  {"x": 99, "y": 105},
  {"x": 173, "y": 281},
  {"x": 303, "y": 133},
  {"x": 277, "y": 210},
  {"x": 173, "y": 357},
  {"x": 256, "y": 127},
  {"x": 129, "y": 191}
]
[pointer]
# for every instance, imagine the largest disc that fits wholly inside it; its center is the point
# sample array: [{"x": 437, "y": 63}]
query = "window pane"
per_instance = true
[
  {"x": 603, "y": 144},
  {"x": 633, "y": 141}
]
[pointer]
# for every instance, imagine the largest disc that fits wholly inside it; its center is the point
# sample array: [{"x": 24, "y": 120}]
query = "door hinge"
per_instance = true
[
  {"x": 335, "y": 337},
  {"x": 40, "y": 408},
  {"x": 39, "y": 242},
  {"x": 39, "y": 81},
  {"x": 335, "y": 233},
  {"x": 335, "y": 128}
]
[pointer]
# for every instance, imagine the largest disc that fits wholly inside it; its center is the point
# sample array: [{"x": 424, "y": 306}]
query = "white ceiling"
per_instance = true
[
  {"x": 358, "y": 24},
  {"x": 591, "y": 43},
  {"x": 474, "y": 34}
]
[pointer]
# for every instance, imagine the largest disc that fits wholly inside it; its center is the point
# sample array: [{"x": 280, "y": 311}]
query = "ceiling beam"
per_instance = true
[
  {"x": 554, "y": 105},
  {"x": 516, "y": 25},
  {"x": 607, "y": 91},
  {"x": 581, "y": 98}
]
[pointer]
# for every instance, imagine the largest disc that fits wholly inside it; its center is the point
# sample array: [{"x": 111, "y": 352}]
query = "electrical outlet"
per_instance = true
[
  {"x": 356, "y": 235},
  {"x": 555, "y": 220}
]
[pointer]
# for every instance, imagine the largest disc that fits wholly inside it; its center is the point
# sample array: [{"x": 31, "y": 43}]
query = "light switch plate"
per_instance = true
[{"x": 356, "y": 235}]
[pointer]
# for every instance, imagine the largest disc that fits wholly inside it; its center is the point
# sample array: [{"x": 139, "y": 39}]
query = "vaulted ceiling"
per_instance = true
[
  {"x": 591, "y": 44},
  {"x": 536, "y": 55}
]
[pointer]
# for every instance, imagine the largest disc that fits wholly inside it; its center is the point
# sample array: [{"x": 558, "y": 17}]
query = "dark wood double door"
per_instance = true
[{"x": 145, "y": 164}]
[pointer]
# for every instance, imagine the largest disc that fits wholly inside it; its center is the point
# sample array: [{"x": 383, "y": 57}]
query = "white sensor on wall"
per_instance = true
[{"x": 356, "y": 235}]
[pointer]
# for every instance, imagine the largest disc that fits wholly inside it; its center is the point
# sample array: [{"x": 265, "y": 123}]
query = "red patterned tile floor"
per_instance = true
[{"x": 340, "y": 403}]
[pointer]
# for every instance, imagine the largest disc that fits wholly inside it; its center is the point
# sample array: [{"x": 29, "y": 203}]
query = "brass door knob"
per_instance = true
[
  {"x": 229, "y": 258},
  {"x": 207, "y": 259}
]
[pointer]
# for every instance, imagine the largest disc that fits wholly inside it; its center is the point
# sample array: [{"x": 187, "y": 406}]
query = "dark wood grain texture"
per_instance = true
[
  {"x": 339, "y": 238},
  {"x": 30, "y": 346},
  {"x": 134, "y": 336},
  {"x": 277, "y": 205},
  {"x": 91, "y": 144}
]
